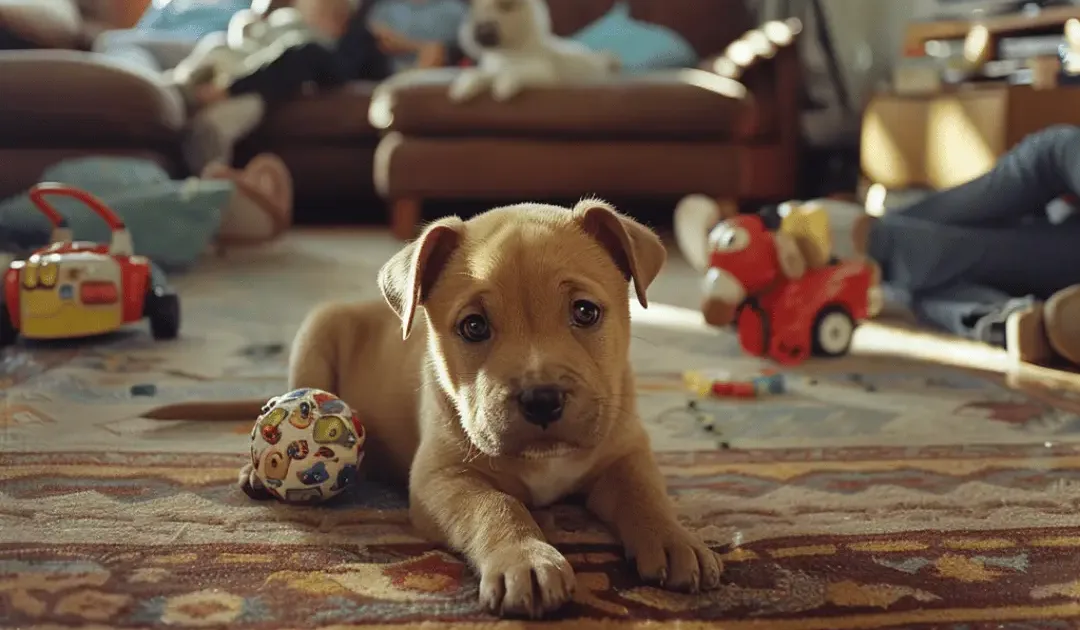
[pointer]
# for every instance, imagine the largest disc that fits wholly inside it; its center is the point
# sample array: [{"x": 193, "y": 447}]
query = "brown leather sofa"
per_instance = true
[
  {"x": 655, "y": 137},
  {"x": 638, "y": 137},
  {"x": 61, "y": 101}
]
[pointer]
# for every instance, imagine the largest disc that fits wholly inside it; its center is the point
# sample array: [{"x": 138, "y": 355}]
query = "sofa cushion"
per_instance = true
[
  {"x": 74, "y": 97},
  {"x": 509, "y": 168},
  {"x": 570, "y": 16},
  {"x": 709, "y": 25},
  {"x": 690, "y": 104},
  {"x": 327, "y": 117},
  {"x": 46, "y": 23},
  {"x": 639, "y": 46}
]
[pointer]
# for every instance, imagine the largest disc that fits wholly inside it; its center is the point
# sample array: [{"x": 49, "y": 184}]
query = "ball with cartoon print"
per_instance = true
[{"x": 306, "y": 446}]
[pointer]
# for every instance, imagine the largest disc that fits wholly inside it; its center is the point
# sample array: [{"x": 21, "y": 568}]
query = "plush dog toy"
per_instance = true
[{"x": 515, "y": 48}]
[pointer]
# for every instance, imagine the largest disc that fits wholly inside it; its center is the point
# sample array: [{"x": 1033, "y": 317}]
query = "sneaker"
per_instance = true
[
  {"x": 992, "y": 328},
  {"x": 1062, "y": 316}
]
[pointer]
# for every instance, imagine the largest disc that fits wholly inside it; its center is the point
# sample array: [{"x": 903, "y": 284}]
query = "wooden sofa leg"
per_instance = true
[{"x": 405, "y": 217}]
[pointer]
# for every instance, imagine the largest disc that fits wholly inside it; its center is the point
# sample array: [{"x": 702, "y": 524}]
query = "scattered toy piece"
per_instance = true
[
  {"x": 723, "y": 386},
  {"x": 147, "y": 389}
]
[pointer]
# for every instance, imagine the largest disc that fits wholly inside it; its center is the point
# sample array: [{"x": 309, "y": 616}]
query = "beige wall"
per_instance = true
[{"x": 868, "y": 36}]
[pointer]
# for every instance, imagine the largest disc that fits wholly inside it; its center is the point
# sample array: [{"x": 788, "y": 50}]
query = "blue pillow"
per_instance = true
[
  {"x": 640, "y": 46},
  {"x": 190, "y": 19}
]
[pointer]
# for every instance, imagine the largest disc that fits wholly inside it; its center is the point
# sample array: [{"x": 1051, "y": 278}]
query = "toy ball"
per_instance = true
[{"x": 306, "y": 446}]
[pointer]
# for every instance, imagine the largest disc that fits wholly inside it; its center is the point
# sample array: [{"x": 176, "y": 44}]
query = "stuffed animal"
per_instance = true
[
  {"x": 306, "y": 447},
  {"x": 516, "y": 49}
]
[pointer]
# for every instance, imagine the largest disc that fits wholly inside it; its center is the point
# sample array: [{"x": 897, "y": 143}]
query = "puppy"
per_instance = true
[
  {"x": 511, "y": 390},
  {"x": 513, "y": 42}
]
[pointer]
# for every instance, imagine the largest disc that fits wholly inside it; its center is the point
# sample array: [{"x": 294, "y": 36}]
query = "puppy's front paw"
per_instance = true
[
  {"x": 467, "y": 86},
  {"x": 505, "y": 87},
  {"x": 530, "y": 579},
  {"x": 675, "y": 559},
  {"x": 250, "y": 484}
]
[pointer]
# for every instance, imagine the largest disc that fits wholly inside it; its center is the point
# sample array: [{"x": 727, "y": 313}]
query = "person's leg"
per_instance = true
[
  {"x": 284, "y": 77},
  {"x": 1042, "y": 167},
  {"x": 938, "y": 265},
  {"x": 971, "y": 311},
  {"x": 921, "y": 256}
]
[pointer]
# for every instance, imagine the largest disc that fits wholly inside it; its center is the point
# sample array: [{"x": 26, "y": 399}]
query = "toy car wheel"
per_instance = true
[
  {"x": 832, "y": 332},
  {"x": 8, "y": 334},
  {"x": 163, "y": 308}
]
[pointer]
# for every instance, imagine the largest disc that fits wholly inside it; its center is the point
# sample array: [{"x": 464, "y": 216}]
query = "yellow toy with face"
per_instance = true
[{"x": 75, "y": 295}]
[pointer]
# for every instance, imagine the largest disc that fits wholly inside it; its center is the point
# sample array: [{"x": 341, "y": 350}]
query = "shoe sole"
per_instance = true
[
  {"x": 1062, "y": 316},
  {"x": 1026, "y": 339}
]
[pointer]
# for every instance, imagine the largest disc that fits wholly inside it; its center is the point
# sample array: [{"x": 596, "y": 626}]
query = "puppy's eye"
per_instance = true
[
  {"x": 585, "y": 314},
  {"x": 474, "y": 328}
]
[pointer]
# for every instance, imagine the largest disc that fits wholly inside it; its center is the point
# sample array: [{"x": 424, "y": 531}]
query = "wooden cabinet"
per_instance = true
[{"x": 942, "y": 140}]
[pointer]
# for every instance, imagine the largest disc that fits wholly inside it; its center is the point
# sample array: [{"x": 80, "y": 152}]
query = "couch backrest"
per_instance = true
[{"x": 709, "y": 25}]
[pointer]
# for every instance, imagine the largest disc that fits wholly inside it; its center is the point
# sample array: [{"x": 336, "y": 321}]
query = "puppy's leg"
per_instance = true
[
  {"x": 311, "y": 359},
  {"x": 468, "y": 85},
  {"x": 507, "y": 85},
  {"x": 520, "y": 573},
  {"x": 630, "y": 498},
  {"x": 250, "y": 484}
]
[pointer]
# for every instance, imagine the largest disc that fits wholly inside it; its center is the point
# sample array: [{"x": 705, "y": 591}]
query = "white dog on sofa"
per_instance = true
[{"x": 515, "y": 48}]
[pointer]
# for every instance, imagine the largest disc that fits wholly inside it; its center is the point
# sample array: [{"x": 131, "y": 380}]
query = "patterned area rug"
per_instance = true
[{"x": 874, "y": 493}]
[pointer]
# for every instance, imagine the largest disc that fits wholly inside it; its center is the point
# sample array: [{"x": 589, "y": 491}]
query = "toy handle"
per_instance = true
[
  {"x": 121, "y": 238},
  {"x": 40, "y": 191}
]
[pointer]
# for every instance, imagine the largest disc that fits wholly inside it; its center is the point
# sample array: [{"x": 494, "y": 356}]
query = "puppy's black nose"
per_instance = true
[
  {"x": 541, "y": 405},
  {"x": 486, "y": 34}
]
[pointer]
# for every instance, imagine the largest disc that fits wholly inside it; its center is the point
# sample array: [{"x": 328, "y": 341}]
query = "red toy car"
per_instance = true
[
  {"x": 79, "y": 289},
  {"x": 781, "y": 308}
]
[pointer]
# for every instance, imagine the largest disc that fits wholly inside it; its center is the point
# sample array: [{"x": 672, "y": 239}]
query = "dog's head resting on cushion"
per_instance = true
[
  {"x": 505, "y": 25},
  {"x": 528, "y": 318}
]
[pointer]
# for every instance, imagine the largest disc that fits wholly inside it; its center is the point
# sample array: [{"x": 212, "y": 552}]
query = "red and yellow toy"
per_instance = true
[
  {"x": 79, "y": 289},
  {"x": 786, "y": 299}
]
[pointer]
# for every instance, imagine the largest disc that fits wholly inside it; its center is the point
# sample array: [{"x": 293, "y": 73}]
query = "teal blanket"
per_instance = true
[{"x": 171, "y": 222}]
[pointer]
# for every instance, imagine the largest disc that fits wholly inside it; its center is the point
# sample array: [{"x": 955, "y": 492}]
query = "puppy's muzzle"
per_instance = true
[
  {"x": 486, "y": 34},
  {"x": 542, "y": 405}
]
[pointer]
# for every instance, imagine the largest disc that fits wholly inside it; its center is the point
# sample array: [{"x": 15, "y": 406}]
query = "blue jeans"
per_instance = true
[{"x": 967, "y": 253}]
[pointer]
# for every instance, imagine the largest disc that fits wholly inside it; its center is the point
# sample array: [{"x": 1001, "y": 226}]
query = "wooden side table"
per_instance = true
[{"x": 942, "y": 140}]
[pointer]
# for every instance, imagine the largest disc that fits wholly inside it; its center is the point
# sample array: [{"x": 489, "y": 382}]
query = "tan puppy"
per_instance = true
[{"x": 511, "y": 390}]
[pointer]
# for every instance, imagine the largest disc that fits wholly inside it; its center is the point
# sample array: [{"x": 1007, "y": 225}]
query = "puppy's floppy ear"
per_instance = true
[
  {"x": 406, "y": 279},
  {"x": 636, "y": 249}
]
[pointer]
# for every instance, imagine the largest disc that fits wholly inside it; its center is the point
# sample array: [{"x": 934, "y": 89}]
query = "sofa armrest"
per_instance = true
[
  {"x": 44, "y": 23},
  {"x": 766, "y": 61},
  {"x": 72, "y": 97}
]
